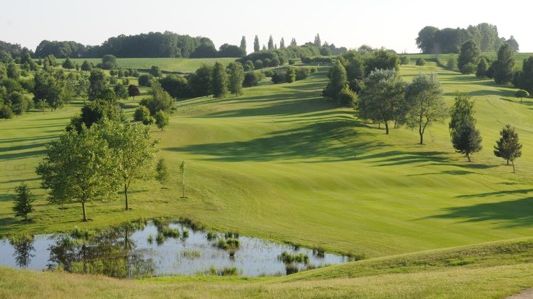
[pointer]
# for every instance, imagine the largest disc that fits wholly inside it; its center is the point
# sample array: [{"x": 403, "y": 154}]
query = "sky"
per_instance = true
[{"x": 377, "y": 23}]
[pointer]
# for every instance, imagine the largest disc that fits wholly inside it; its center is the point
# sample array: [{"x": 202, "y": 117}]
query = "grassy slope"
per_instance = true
[
  {"x": 281, "y": 162},
  {"x": 181, "y": 65},
  {"x": 483, "y": 271}
]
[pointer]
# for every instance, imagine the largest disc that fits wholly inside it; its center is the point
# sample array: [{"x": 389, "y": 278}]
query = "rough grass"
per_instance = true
[
  {"x": 283, "y": 163},
  {"x": 178, "y": 65},
  {"x": 494, "y": 271}
]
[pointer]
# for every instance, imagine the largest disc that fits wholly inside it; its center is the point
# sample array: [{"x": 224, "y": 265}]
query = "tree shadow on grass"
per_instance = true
[
  {"x": 328, "y": 140},
  {"x": 515, "y": 212},
  {"x": 496, "y": 193},
  {"x": 395, "y": 157}
]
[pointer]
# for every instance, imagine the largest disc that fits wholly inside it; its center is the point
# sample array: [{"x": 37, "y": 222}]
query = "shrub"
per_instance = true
[
  {"x": 145, "y": 80},
  {"x": 420, "y": 62},
  {"x": 404, "y": 60},
  {"x": 142, "y": 114},
  {"x": 302, "y": 73}
]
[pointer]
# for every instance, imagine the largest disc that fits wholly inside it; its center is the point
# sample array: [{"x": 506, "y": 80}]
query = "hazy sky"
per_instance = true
[{"x": 388, "y": 23}]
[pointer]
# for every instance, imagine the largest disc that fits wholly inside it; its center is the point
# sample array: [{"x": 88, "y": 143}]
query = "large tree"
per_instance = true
[
  {"x": 97, "y": 85},
  {"x": 504, "y": 65},
  {"x": 425, "y": 104},
  {"x": 508, "y": 146},
  {"x": 220, "y": 81},
  {"x": 270, "y": 43},
  {"x": 243, "y": 44},
  {"x": 133, "y": 152},
  {"x": 79, "y": 167},
  {"x": 338, "y": 79},
  {"x": 159, "y": 100},
  {"x": 236, "y": 78},
  {"x": 468, "y": 57},
  {"x": 23, "y": 201},
  {"x": 466, "y": 139},
  {"x": 382, "y": 99},
  {"x": 48, "y": 89},
  {"x": 257, "y": 46},
  {"x": 426, "y": 39}
]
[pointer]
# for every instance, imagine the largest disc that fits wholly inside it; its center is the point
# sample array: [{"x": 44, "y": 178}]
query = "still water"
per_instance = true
[{"x": 155, "y": 248}]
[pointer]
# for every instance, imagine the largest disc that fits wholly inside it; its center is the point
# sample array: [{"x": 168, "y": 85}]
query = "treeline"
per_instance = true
[{"x": 432, "y": 40}]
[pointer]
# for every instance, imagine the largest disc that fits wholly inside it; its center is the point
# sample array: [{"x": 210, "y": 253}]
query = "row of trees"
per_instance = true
[{"x": 432, "y": 40}]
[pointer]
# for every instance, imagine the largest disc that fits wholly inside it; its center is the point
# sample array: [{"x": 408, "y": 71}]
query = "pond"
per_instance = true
[{"x": 158, "y": 248}]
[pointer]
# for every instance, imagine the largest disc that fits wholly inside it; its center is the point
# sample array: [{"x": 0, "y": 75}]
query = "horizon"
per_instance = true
[{"x": 354, "y": 24}]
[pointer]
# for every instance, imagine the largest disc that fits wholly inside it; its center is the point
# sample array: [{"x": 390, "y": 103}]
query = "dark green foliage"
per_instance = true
[
  {"x": 200, "y": 82},
  {"x": 60, "y": 49},
  {"x": 278, "y": 77},
  {"x": 145, "y": 80},
  {"x": 257, "y": 46},
  {"x": 161, "y": 119},
  {"x": 337, "y": 81},
  {"x": 176, "y": 86},
  {"x": 420, "y": 62},
  {"x": 86, "y": 66},
  {"x": 13, "y": 71},
  {"x": 508, "y": 146},
  {"x": 67, "y": 64},
  {"x": 97, "y": 85},
  {"x": 302, "y": 73},
  {"x": 524, "y": 78},
  {"x": 347, "y": 97},
  {"x": 521, "y": 94},
  {"x": 236, "y": 78},
  {"x": 96, "y": 112},
  {"x": 155, "y": 71},
  {"x": 382, "y": 59},
  {"x": 504, "y": 65},
  {"x": 252, "y": 79},
  {"x": 227, "y": 50},
  {"x": 482, "y": 68},
  {"x": 160, "y": 100},
  {"x": 220, "y": 81},
  {"x": 468, "y": 57},
  {"x": 142, "y": 114},
  {"x": 120, "y": 91},
  {"x": 243, "y": 45},
  {"x": 290, "y": 74},
  {"x": 162, "y": 171},
  {"x": 18, "y": 102},
  {"x": 466, "y": 139},
  {"x": 48, "y": 89},
  {"x": 23, "y": 201},
  {"x": 292, "y": 258},
  {"x": 204, "y": 51},
  {"x": 404, "y": 60},
  {"x": 109, "y": 62},
  {"x": 5, "y": 111}
]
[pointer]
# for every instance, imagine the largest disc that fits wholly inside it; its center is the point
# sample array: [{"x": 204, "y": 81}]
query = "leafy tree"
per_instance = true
[
  {"x": 425, "y": 104},
  {"x": 145, "y": 80},
  {"x": 252, "y": 78},
  {"x": 79, "y": 167},
  {"x": 290, "y": 75},
  {"x": 243, "y": 44},
  {"x": 120, "y": 91},
  {"x": 420, "y": 62},
  {"x": 23, "y": 201},
  {"x": 270, "y": 43},
  {"x": 257, "y": 47},
  {"x": 133, "y": 91},
  {"x": 160, "y": 100},
  {"x": 162, "y": 171},
  {"x": 482, "y": 68},
  {"x": 201, "y": 81},
  {"x": 109, "y": 62},
  {"x": 142, "y": 114},
  {"x": 513, "y": 44},
  {"x": 236, "y": 78},
  {"x": 317, "y": 42},
  {"x": 508, "y": 146},
  {"x": 426, "y": 39},
  {"x": 347, "y": 97},
  {"x": 176, "y": 86},
  {"x": 161, "y": 119},
  {"x": 48, "y": 90},
  {"x": 133, "y": 151},
  {"x": 466, "y": 139},
  {"x": 521, "y": 94},
  {"x": 97, "y": 85},
  {"x": 13, "y": 71},
  {"x": 337, "y": 80},
  {"x": 404, "y": 60},
  {"x": 86, "y": 66},
  {"x": 382, "y": 99},
  {"x": 227, "y": 50},
  {"x": 282, "y": 43},
  {"x": 451, "y": 64},
  {"x": 67, "y": 64},
  {"x": 204, "y": 51},
  {"x": 293, "y": 43},
  {"x": 468, "y": 56},
  {"x": 504, "y": 65},
  {"x": 95, "y": 112},
  {"x": 155, "y": 71},
  {"x": 18, "y": 102},
  {"x": 6, "y": 112},
  {"x": 220, "y": 81},
  {"x": 382, "y": 59}
]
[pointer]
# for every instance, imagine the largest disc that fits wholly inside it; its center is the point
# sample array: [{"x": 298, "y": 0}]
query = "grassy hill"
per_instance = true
[
  {"x": 493, "y": 270},
  {"x": 283, "y": 163},
  {"x": 179, "y": 65}
]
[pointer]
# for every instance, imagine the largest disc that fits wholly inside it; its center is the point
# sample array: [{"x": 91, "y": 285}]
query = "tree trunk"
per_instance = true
[
  {"x": 126, "y": 196},
  {"x": 514, "y": 170},
  {"x": 468, "y": 157},
  {"x": 507, "y": 161},
  {"x": 84, "y": 212},
  {"x": 387, "y": 127}
]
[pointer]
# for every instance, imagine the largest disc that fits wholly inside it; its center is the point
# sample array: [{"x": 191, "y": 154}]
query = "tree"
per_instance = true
[
  {"x": 142, "y": 114},
  {"x": 120, "y": 91},
  {"x": 133, "y": 91},
  {"x": 162, "y": 171},
  {"x": 451, "y": 64},
  {"x": 317, "y": 42},
  {"x": 145, "y": 80},
  {"x": 465, "y": 137},
  {"x": 425, "y": 104},
  {"x": 86, "y": 66},
  {"x": 382, "y": 99},
  {"x": 482, "y": 68},
  {"x": 220, "y": 81},
  {"x": 347, "y": 97},
  {"x": 468, "y": 57},
  {"x": 160, "y": 100},
  {"x": 290, "y": 75},
  {"x": 426, "y": 39},
  {"x": 504, "y": 65},
  {"x": 257, "y": 46},
  {"x": 243, "y": 44},
  {"x": 236, "y": 78},
  {"x": 282, "y": 43},
  {"x": 508, "y": 146},
  {"x": 182, "y": 173},
  {"x": 155, "y": 71},
  {"x": 201, "y": 81},
  {"x": 78, "y": 167},
  {"x": 94, "y": 112},
  {"x": 293, "y": 43},
  {"x": 97, "y": 85},
  {"x": 161, "y": 119},
  {"x": 513, "y": 44},
  {"x": 47, "y": 90},
  {"x": 23, "y": 201},
  {"x": 176, "y": 86},
  {"x": 227, "y": 50},
  {"x": 521, "y": 94},
  {"x": 133, "y": 152},
  {"x": 67, "y": 64},
  {"x": 270, "y": 43},
  {"x": 338, "y": 78},
  {"x": 13, "y": 71},
  {"x": 109, "y": 62}
]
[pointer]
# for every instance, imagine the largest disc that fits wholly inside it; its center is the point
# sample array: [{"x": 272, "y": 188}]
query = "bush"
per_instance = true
[
  {"x": 420, "y": 62},
  {"x": 145, "y": 80},
  {"x": 347, "y": 97},
  {"x": 278, "y": 77},
  {"x": 469, "y": 68},
  {"x": 302, "y": 73},
  {"x": 142, "y": 114},
  {"x": 452, "y": 63},
  {"x": 404, "y": 60},
  {"x": 161, "y": 119},
  {"x": 6, "y": 112},
  {"x": 252, "y": 79}
]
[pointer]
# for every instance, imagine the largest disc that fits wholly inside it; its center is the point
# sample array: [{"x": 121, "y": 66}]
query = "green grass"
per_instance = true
[
  {"x": 283, "y": 163},
  {"x": 493, "y": 270},
  {"x": 180, "y": 65}
]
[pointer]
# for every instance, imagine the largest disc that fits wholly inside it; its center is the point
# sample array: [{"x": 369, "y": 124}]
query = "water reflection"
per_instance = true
[{"x": 140, "y": 249}]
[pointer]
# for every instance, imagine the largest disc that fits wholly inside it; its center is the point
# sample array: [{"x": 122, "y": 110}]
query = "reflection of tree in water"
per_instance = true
[
  {"x": 23, "y": 246},
  {"x": 111, "y": 253}
]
